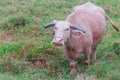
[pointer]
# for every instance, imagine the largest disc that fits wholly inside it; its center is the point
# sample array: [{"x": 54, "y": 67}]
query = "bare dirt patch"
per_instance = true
[
  {"x": 40, "y": 62},
  {"x": 7, "y": 38},
  {"x": 111, "y": 58}
]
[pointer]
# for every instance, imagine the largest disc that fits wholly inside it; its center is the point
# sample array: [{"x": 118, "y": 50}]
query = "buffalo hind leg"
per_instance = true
[
  {"x": 93, "y": 56},
  {"x": 87, "y": 54}
]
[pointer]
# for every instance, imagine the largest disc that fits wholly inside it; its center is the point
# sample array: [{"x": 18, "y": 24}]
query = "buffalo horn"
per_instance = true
[
  {"x": 51, "y": 24},
  {"x": 73, "y": 26}
]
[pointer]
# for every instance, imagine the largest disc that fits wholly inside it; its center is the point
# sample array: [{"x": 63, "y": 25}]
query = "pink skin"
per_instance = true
[
  {"x": 88, "y": 17},
  {"x": 69, "y": 39}
]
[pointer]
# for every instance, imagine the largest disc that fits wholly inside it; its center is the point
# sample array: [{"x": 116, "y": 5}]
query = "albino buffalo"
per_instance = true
[{"x": 81, "y": 32}]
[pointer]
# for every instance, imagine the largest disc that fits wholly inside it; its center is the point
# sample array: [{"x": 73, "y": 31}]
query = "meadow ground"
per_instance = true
[{"x": 26, "y": 52}]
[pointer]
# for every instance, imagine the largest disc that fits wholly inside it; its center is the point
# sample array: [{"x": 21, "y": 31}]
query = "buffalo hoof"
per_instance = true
[
  {"x": 73, "y": 71},
  {"x": 88, "y": 67}
]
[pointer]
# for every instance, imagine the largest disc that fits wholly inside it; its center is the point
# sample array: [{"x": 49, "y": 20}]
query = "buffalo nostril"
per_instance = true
[{"x": 58, "y": 39}]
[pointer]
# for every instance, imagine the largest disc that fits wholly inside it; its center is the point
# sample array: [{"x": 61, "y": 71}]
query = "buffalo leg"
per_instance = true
[
  {"x": 71, "y": 60},
  {"x": 87, "y": 57},
  {"x": 72, "y": 66},
  {"x": 94, "y": 54}
]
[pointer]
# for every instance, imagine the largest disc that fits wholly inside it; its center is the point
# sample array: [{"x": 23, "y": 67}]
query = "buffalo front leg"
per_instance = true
[
  {"x": 71, "y": 59},
  {"x": 72, "y": 66},
  {"x": 87, "y": 54}
]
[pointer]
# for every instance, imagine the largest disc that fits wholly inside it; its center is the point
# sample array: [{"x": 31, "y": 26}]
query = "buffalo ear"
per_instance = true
[{"x": 76, "y": 33}]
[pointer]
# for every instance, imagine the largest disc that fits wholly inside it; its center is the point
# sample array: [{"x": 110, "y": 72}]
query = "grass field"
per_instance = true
[{"x": 26, "y": 52}]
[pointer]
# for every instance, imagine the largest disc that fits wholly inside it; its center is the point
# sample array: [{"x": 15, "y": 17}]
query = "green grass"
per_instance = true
[{"x": 26, "y": 52}]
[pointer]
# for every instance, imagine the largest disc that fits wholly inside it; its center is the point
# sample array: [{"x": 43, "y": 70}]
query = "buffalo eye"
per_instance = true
[
  {"x": 55, "y": 28},
  {"x": 67, "y": 29}
]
